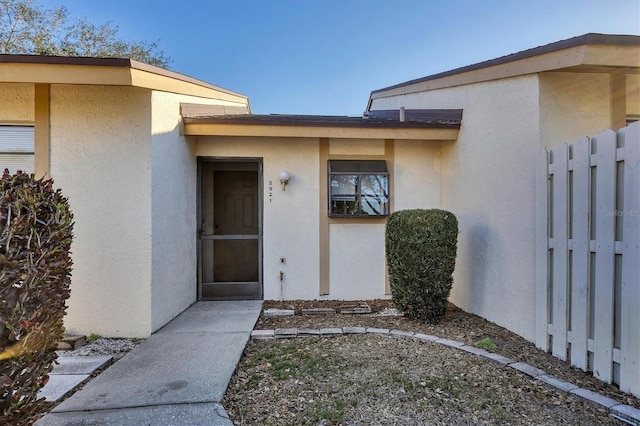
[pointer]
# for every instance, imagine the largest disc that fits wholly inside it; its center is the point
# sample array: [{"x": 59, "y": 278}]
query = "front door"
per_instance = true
[{"x": 230, "y": 231}]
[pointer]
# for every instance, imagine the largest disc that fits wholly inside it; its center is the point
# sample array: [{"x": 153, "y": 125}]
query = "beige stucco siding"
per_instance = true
[
  {"x": 417, "y": 175},
  {"x": 573, "y": 105},
  {"x": 356, "y": 261},
  {"x": 16, "y": 103},
  {"x": 100, "y": 158},
  {"x": 290, "y": 219},
  {"x": 356, "y": 147},
  {"x": 487, "y": 181},
  {"x": 633, "y": 94}
]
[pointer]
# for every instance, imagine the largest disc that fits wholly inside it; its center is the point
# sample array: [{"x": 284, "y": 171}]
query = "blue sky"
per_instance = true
[{"x": 326, "y": 56}]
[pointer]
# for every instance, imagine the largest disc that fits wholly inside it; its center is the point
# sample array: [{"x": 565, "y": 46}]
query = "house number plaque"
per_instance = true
[{"x": 270, "y": 188}]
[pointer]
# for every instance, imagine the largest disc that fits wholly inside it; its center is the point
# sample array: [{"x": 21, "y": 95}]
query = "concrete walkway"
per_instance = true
[{"x": 178, "y": 376}]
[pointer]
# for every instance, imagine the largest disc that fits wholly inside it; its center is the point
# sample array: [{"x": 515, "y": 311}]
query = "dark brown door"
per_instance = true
[{"x": 230, "y": 231}]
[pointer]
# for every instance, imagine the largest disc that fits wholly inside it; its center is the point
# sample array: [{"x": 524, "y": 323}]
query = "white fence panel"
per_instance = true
[
  {"x": 630, "y": 288},
  {"x": 605, "y": 254},
  {"x": 588, "y": 255},
  {"x": 580, "y": 252}
]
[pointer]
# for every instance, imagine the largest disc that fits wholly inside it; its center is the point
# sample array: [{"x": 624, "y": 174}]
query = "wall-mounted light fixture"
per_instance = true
[{"x": 284, "y": 179}]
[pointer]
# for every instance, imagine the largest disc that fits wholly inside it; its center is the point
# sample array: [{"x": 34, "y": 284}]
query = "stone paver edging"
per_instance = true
[{"x": 623, "y": 412}]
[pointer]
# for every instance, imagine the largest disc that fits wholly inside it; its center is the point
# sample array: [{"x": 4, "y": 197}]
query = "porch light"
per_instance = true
[{"x": 284, "y": 179}]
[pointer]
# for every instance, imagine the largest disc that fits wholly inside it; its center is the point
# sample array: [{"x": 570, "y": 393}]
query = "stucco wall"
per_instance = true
[
  {"x": 100, "y": 157},
  {"x": 290, "y": 224},
  {"x": 174, "y": 176},
  {"x": 633, "y": 94},
  {"x": 356, "y": 261},
  {"x": 417, "y": 175},
  {"x": 573, "y": 105},
  {"x": 16, "y": 102},
  {"x": 356, "y": 147},
  {"x": 487, "y": 181}
]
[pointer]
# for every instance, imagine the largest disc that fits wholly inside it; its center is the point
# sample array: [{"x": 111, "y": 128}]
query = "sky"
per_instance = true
[{"x": 326, "y": 56}]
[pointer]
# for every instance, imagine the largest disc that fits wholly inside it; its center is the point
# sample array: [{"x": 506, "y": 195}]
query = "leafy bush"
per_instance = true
[
  {"x": 421, "y": 254},
  {"x": 35, "y": 269}
]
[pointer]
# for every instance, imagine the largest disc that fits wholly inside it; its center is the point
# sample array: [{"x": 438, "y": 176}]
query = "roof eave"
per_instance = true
[
  {"x": 106, "y": 71},
  {"x": 436, "y": 133},
  {"x": 591, "y": 52}
]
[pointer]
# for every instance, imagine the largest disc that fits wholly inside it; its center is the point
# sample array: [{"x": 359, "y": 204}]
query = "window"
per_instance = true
[
  {"x": 358, "y": 188},
  {"x": 16, "y": 149}
]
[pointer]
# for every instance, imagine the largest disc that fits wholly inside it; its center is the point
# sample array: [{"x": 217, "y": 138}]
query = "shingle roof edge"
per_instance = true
[{"x": 324, "y": 121}]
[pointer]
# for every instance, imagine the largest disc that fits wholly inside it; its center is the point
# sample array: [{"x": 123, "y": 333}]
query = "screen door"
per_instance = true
[{"x": 230, "y": 237}]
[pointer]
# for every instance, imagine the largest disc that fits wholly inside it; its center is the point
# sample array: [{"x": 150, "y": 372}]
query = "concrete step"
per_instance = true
[{"x": 69, "y": 373}]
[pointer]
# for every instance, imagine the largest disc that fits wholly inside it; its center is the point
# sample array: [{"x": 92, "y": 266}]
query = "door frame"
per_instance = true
[{"x": 209, "y": 159}]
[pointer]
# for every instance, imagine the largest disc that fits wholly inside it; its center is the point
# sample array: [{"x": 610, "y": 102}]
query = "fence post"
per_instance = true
[
  {"x": 559, "y": 215},
  {"x": 542, "y": 249}
]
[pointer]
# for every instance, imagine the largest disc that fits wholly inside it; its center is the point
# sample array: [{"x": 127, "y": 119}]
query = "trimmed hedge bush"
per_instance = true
[
  {"x": 421, "y": 255},
  {"x": 35, "y": 269}
]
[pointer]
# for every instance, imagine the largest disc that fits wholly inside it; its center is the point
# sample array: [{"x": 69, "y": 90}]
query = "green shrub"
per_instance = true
[
  {"x": 35, "y": 269},
  {"x": 421, "y": 254}
]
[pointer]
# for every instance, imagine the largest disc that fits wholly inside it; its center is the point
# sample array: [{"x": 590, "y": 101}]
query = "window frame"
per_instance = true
[{"x": 359, "y": 195}]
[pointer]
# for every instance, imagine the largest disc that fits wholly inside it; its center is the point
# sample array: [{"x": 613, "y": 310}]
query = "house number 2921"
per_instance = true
[{"x": 270, "y": 191}]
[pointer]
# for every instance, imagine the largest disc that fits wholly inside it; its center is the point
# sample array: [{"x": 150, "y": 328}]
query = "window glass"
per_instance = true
[
  {"x": 358, "y": 188},
  {"x": 375, "y": 192},
  {"x": 344, "y": 194},
  {"x": 16, "y": 149}
]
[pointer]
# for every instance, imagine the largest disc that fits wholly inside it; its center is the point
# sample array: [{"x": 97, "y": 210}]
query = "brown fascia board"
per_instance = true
[
  {"x": 590, "y": 38},
  {"x": 64, "y": 60},
  {"x": 321, "y": 121},
  {"x": 110, "y": 62}
]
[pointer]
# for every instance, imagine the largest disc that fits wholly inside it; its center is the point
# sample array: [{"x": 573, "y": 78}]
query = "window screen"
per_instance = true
[
  {"x": 358, "y": 188},
  {"x": 17, "y": 148}
]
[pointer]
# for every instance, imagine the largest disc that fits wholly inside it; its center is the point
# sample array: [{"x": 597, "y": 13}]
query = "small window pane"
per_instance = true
[
  {"x": 374, "y": 189},
  {"x": 16, "y": 149},
  {"x": 16, "y": 139},
  {"x": 15, "y": 162},
  {"x": 373, "y": 206},
  {"x": 344, "y": 194},
  {"x": 375, "y": 185},
  {"x": 344, "y": 184}
]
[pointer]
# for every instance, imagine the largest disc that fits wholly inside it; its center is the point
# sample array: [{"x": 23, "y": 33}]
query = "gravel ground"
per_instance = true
[
  {"x": 386, "y": 380},
  {"x": 103, "y": 346}
]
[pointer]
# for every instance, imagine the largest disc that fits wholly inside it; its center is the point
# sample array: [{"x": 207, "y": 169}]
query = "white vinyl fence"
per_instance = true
[{"x": 588, "y": 255}]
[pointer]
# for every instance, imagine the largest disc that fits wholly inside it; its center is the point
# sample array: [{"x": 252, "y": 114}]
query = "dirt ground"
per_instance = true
[{"x": 359, "y": 385}]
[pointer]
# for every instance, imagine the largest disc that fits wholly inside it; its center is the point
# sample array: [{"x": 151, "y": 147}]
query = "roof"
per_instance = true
[
  {"x": 589, "y": 52},
  {"x": 418, "y": 124},
  {"x": 106, "y": 71}
]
